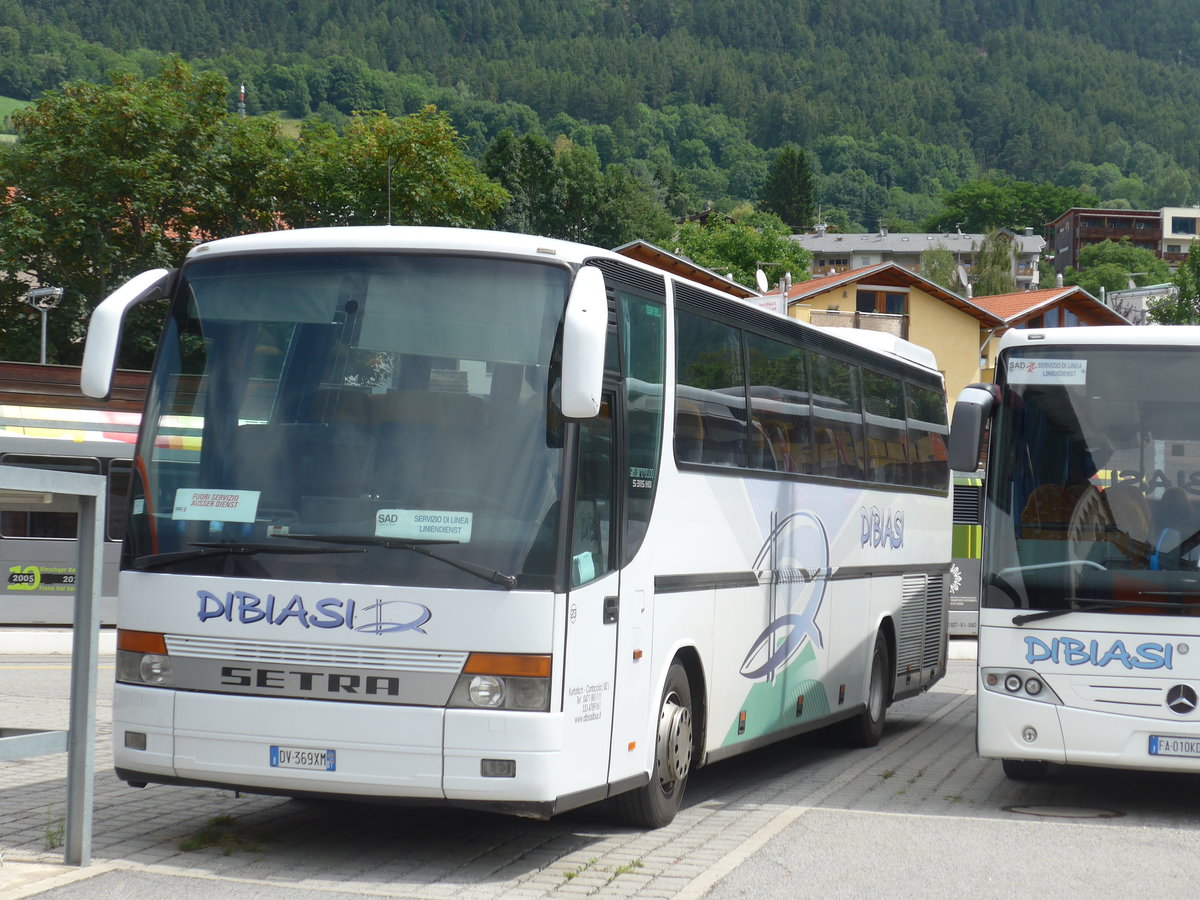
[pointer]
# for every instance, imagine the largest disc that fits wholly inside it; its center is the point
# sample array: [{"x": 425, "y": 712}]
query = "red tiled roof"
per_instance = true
[{"x": 1010, "y": 306}]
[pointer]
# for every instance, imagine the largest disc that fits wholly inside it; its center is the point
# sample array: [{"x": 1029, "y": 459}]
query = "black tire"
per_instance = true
[
  {"x": 866, "y": 728},
  {"x": 656, "y": 804},
  {"x": 1025, "y": 769}
]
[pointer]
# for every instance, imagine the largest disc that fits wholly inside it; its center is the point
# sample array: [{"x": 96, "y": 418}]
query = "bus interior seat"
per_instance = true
[
  {"x": 1047, "y": 513},
  {"x": 427, "y": 442}
]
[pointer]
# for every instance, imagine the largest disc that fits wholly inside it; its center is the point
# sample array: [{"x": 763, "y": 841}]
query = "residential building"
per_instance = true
[
  {"x": 834, "y": 252},
  {"x": 1180, "y": 225},
  {"x": 1079, "y": 227}
]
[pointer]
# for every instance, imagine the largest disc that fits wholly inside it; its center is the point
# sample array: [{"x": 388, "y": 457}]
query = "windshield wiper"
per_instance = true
[
  {"x": 416, "y": 546},
  {"x": 1097, "y": 603},
  {"x": 217, "y": 548}
]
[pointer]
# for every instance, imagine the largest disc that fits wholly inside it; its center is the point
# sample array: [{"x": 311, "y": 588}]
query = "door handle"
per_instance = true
[{"x": 611, "y": 606}]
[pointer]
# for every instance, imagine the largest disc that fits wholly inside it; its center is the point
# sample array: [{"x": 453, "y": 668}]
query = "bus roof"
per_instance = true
[
  {"x": 1099, "y": 335},
  {"x": 401, "y": 237}
]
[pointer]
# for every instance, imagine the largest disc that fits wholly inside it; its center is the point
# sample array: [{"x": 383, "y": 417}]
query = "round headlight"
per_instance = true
[
  {"x": 1012, "y": 683},
  {"x": 486, "y": 690},
  {"x": 155, "y": 669},
  {"x": 1033, "y": 686}
]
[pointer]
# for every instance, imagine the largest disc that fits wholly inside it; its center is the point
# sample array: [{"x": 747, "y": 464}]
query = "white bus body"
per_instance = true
[
  {"x": 1090, "y": 583},
  {"x": 405, "y": 574}
]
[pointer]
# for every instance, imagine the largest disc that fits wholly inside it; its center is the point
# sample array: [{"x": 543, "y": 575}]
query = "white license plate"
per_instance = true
[
  {"x": 1165, "y": 745},
  {"x": 302, "y": 758}
]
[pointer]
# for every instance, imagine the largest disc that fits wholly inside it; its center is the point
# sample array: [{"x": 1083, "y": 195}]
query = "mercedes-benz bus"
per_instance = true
[{"x": 1090, "y": 583}]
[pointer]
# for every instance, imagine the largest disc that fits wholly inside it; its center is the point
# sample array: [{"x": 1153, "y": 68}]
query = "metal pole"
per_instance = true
[
  {"x": 85, "y": 650},
  {"x": 43, "y": 359}
]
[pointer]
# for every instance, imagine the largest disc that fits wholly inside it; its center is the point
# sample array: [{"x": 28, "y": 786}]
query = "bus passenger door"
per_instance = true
[{"x": 592, "y": 598}]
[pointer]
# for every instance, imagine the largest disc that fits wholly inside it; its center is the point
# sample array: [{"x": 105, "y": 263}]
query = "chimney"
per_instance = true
[
  {"x": 1058, "y": 280},
  {"x": 883, "y": 230},
  {"x": 821, "y": 229},
  {"x": 970, "y": 292},
  {"x": 1028, "y": 231}
]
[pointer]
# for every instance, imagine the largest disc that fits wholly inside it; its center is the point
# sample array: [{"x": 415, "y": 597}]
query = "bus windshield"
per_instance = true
[
  {"x": 1093, "y": 481},
  {"x": 318, "y": 417}
]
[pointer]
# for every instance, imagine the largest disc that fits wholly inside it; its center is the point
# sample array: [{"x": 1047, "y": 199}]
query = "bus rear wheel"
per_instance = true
[
  {"x": 865, "y": 729},
  {"x": 656, "y": 804}
]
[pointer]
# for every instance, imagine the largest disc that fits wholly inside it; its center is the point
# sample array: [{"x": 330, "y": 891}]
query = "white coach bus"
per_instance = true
[
  {"x": 495, "y": 520},
  {"x": 1090, "y": 586}
]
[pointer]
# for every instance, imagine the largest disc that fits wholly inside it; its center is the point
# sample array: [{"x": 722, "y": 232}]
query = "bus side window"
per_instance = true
[{"x": 591, "y": 529}]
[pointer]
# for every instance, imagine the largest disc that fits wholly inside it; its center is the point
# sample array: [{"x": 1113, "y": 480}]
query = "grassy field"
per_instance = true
[{"x": 8, "y": 105}]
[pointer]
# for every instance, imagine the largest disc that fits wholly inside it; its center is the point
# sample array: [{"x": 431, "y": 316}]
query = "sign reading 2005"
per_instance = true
[{"x": 380, "y": 617}]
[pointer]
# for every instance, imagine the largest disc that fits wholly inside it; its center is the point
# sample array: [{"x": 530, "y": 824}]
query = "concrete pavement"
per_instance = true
[{"x": 170, "y": 841}]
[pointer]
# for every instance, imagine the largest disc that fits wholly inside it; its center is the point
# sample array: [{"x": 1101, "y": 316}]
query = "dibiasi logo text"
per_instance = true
[{"x": 379, "y": 617}]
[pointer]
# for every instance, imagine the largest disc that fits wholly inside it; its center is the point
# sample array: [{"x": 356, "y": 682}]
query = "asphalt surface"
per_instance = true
[{"x": 920, "y": 815}]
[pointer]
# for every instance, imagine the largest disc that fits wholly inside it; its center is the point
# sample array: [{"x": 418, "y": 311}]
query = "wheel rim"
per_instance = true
[
  {"x": 875, "y": 701},
  {"x": 674, "y": 753}
]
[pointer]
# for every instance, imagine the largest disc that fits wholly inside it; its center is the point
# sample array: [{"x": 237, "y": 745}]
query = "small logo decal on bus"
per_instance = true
[
  {"x": 1074, "y": 652},
  {"x": 246, "y": 608}
]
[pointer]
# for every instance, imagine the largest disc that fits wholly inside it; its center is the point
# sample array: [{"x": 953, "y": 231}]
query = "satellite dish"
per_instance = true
[
  {"x": 962, "y": 276},
  {"x": 760, "y": 278}
]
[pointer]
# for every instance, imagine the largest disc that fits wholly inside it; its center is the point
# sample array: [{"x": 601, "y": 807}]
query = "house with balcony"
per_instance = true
[
  {"x": 1077, "y": 228},
  {"x": 834, "y": 252}
]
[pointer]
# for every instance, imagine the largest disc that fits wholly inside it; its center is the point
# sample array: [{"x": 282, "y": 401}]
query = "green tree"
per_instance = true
[
  {"x": 939, "y": 266},
  {"x": 983, "y": 205},
  {"x": 108, "y": 180},
  {"x": 1113, "y": 265},
  {"x": 739, "y": 249},
  {"x": 404, "y": 171},
  {"x": 789, "y": 189},
  {"x": 1183, "y": 307},
  {"x": 995, "y": 261}
]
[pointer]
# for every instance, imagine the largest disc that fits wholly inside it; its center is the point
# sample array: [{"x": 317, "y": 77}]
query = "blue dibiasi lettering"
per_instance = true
[
  {"x": 1074, "y": 652},
  {"x": 247, "y": 608}
]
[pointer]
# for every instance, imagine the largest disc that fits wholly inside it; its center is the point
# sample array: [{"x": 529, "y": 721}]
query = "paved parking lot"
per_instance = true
[{"x": 918, "y": 815}]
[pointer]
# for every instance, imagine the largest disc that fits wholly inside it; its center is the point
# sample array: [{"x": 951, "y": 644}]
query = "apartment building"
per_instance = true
[{"x": 833, "y": 253}]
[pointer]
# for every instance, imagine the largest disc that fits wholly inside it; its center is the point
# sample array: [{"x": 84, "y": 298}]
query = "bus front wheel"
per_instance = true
[
  {"x": 1025, "y": 769},
  {"x": 656, "y": 804}
]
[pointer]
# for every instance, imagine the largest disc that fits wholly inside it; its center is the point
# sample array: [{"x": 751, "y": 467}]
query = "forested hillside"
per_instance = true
[{"x": 897, "y": 101}]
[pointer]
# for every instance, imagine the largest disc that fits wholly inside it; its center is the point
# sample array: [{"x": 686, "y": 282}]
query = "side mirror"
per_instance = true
[
  {"x": 585, "y": 332},
  {"x": 971, "y": 413},
  {"x": 104, "y": 329}
]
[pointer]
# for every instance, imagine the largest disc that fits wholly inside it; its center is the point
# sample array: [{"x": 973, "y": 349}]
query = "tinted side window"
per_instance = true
[
  {"x": 781, "y": 410},
  {"x": 887, "y": 439},
  {"x": 710, "y": 401},
  {"x": 927, "y": 433},
  {"x": 837, "y": 417}
]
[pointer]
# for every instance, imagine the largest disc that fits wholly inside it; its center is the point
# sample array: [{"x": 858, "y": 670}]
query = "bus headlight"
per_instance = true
[
  {"x": 503, "y": 681},
  {"x": 155, "y": 669},
  {"x": 1020, "y": 683},
  {"x": 486, "y": 690},
  {"x": 142, "y": 658}
]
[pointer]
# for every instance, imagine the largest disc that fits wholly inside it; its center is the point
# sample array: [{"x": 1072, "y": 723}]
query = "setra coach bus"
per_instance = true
[{"x": 495, "y": 520}]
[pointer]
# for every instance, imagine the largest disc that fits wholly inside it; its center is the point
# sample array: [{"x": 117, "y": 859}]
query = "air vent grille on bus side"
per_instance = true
[
  {"x": 920, "y": 623},
  {"x": 968, "y": 504},
  {"x": 643, "y": 282}
]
